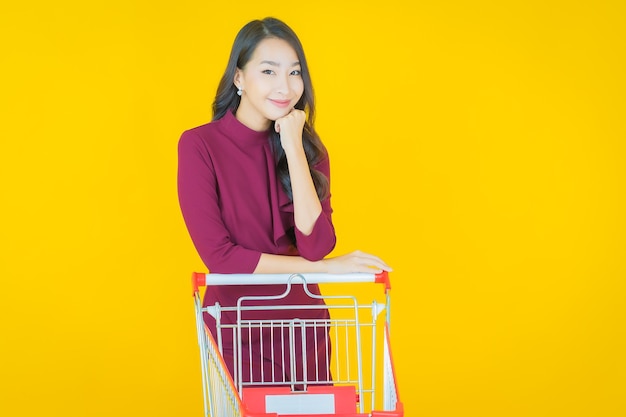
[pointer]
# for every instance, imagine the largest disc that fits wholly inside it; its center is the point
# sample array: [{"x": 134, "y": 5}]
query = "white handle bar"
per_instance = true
[{"x": 203, "y": 279}]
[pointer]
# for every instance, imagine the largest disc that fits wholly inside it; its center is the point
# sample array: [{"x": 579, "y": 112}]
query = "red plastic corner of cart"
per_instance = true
[
  {"x": 383, "y": 278},
  {"x": 198, "y": 279},
  {"x": 398, "y": 412}
]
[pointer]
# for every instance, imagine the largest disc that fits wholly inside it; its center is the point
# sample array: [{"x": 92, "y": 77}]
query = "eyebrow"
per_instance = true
[{"x": 276, "y": 64}]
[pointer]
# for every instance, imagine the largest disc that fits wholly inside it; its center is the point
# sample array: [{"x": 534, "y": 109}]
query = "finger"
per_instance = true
[
  {"x": 380, "y": 266},
  {"x": 373, "y": 261},
  {"x": 369, "y": 269}
]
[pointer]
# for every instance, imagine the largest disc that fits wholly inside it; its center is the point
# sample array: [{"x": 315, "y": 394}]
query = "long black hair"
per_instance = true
[{"x": 227, "y": 99}]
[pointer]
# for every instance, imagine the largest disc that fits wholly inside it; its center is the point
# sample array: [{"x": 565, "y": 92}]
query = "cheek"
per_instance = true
[
  {"x": 258, "y": 84},
  {"x": 298, "y": 86}
]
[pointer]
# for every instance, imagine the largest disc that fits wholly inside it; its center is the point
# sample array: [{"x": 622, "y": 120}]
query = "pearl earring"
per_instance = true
[{"x": 239, "y": 92}]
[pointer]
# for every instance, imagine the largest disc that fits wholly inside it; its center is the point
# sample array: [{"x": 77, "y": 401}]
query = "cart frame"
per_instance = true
[{"x": 347, "y": 393}]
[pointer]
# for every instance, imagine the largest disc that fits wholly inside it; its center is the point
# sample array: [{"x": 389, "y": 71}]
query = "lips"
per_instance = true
[{"x": 281, "y": 103}]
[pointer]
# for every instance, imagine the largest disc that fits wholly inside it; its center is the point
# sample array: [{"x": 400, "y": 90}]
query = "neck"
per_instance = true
[{"x": 248, "y": 119}]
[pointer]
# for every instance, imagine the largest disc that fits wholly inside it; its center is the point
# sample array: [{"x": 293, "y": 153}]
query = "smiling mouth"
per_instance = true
[{"x": 281, "y": 103}]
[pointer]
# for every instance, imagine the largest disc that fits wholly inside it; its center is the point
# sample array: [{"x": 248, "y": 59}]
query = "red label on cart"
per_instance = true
[{"x": 314, "y": 401}]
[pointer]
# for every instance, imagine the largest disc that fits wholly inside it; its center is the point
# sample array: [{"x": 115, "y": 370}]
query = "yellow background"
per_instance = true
[{"x": 476, "y": 146}]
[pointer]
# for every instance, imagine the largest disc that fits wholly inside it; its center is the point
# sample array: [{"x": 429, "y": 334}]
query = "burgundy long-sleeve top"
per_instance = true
[{"x": 234, "y": 206}]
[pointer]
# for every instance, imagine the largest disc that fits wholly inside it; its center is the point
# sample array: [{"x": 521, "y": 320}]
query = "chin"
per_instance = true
[{"x": 275, "y": 115}]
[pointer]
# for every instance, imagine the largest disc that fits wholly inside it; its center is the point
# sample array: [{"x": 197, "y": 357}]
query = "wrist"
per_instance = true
[
  {"x": 292, "y": 146},
  {"x": 322, "y": 266}
]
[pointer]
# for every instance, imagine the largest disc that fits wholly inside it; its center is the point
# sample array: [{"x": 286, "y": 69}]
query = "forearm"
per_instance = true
[
  {"x": 284, "y": 264},
  {"x": 306, "y": 204},
  {"x": 353, "y": 262}
]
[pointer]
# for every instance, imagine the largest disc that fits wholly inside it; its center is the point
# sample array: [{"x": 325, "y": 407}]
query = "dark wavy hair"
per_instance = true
[{"x": 227, "y": 99}]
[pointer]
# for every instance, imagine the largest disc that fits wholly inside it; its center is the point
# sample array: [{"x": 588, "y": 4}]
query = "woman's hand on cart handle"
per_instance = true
[{"x": 356, "y": 261}]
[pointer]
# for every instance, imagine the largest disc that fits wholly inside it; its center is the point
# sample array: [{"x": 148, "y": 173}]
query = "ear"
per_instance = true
[{"x": 238, "y": 78}]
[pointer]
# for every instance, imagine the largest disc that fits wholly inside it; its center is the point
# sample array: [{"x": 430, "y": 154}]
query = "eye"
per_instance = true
[
  {"x": 296, "y": 72},
  {"x": 267, "y": 71}
]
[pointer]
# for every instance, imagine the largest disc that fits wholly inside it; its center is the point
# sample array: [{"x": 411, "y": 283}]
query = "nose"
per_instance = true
[{"x": 282, "y": 84}]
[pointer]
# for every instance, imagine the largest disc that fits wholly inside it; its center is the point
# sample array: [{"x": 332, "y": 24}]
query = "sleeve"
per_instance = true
[
  {"x": 322, "y": 239},
  {"x": 198, "y": 199}
]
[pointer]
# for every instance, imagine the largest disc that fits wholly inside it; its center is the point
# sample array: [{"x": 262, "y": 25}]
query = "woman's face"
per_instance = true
[{"x": 271, "y": 84}]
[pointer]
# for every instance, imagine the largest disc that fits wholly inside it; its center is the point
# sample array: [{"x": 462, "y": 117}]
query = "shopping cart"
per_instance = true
[{"x": 360, "y": 379}]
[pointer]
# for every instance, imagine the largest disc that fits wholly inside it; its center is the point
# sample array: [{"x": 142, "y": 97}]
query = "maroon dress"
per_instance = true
[{"x": 235, "y": 209}]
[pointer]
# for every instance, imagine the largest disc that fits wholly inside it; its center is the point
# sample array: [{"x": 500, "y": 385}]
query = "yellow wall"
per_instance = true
[{"x": 476, "y": 146}]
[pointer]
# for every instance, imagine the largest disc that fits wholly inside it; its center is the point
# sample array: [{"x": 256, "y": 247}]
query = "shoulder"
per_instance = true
[
  {"x": 194, "y": 144},
  {"x": 324, "y": 157},
  {"x": 201, "y": 137},
  {"x": 199, "y": 133}
]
